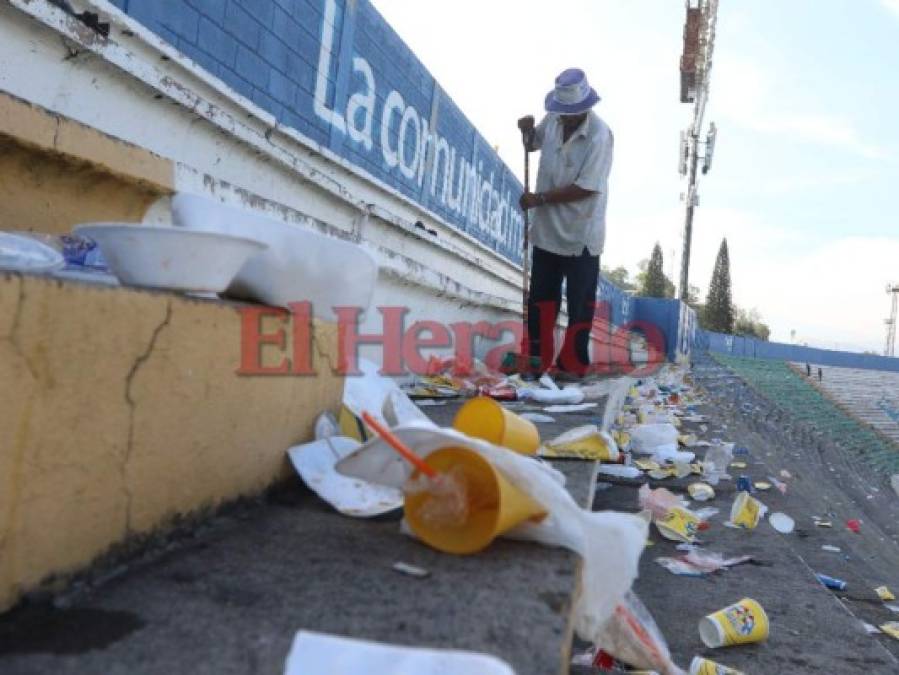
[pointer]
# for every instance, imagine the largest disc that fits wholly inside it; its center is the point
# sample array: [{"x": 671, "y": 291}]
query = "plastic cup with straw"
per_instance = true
[{"x": 457, "y": 501}]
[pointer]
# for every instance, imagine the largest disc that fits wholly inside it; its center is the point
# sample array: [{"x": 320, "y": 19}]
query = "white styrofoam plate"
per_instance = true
[{"x": 169, "y": 257}]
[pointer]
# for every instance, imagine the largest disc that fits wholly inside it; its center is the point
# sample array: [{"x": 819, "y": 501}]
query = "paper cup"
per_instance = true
[
  {"x": 484, "y": 418},
  {"x": 746, "y": 511},
  {"x": 741, "y": 623},
  {"x": 701, "y": 666},
  {"x": 678, "y": 525}
]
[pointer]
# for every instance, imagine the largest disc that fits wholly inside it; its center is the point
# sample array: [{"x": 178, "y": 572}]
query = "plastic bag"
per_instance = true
[
  {"x": 649, "y": 438},
  {"x": 632, "y": 636}
]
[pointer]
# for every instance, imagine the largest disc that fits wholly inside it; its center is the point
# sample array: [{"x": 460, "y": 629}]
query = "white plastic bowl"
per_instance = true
[
  {"x": 299, "y": 264},
  {"x": 171, "y": 258}
]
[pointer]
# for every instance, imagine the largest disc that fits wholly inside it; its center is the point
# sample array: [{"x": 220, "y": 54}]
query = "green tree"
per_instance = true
[
  {"x": 653, "y": 282},
  {"x": 750, "y": 324},
  {"x": 719, "y": 308},
  {"x": 620, "y": 277}
]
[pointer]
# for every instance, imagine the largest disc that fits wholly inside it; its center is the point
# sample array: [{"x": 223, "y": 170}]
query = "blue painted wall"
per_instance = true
[
  {"x": 674, "y": 319},
  {"x": 335, "y": 71},
  {"x": 365, "y": 96},
  {"x": 753, "y": 348}
]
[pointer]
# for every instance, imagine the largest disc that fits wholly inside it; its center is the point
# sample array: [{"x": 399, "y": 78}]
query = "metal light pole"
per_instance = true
[
  {"x": 696, "y": 66},
  {"x": 890, "y": 349}
]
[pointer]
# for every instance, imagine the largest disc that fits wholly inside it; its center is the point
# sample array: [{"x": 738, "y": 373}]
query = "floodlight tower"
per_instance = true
[
  {"x": 890, "y": 349},
  {"x": 695, "y": 74}
]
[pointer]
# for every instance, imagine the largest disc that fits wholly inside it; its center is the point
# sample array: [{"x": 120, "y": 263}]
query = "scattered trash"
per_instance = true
[
  {"x": 646, "y": 464},
  {"x": 698, "y": 563},
  {"x": 574, "y": 407},
  {"x": 659, "y": 501},
  {"x": 315, "y": 463},
  {"x": 571, "y": 395},
  {"x": 854, "y": 525},
  {"x": 672, "y": 455},
  {"x": 762, "y": 485},
  {"x": 893, "y": 608},
  {"x": 782, "y": 522},
  {"x": 701, "y": 492},
  {"x": 746, "y": 511},
  {"x": 430, "y": 402},
  {"x": 607, "y": 572},
  {"x": 315, "y": 653},
  {"x": 537, "y": 418},
  {"x": 738, "y": 465},
  {"x": 831, "y": 548},
  {"x": 484, "y": 418},
  {"x": 741, "y": 451},
  {"x": 823, "y": 523},
  {"x": 891, "y": 628},
  {"x": 619, "y": 471},
  {"x": 411, "y": 570},
  {"x": 884, "y": 593},
  {"x": 744, "y": 484},
  {"x": 679, "y": 524},
  {"x": 701, "y": 666},
  {"x": 741, "y": 623},
  {"x": 717, "y": 459},
  {"x": 585, "y": 442},
  {"x": 780, "y": 485},
  {"x": 650, "y": 438},
  {"x": 785, "y": 474},
  {"x": 831, "y": 582},
  {"x": 326, "y": 426},
  {"x": 632, "y": 636}
]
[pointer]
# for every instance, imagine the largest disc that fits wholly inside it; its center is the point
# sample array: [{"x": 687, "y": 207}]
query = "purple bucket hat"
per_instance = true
[{"x": 572, "y": 95}]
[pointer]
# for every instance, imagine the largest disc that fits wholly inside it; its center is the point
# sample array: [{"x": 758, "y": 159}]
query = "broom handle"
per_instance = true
[{"x": 525, "y": 268}]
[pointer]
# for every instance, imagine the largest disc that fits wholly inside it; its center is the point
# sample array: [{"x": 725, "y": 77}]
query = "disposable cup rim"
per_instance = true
[{"x": 706, "y": 624}]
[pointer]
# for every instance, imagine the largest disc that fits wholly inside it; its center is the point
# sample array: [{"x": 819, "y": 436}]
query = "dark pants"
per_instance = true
[{"x": 581, "y": 276}]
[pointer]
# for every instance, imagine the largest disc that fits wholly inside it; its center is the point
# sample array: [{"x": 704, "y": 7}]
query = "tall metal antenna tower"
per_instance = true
[
  {"x": 695, "y": 69},
  {"x": 890, "y": 349}
]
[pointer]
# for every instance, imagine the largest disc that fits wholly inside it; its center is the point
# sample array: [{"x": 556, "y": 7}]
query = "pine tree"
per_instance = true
[
  {"x": 653, "y": 285},
  {"x": 719, "y": 309}
]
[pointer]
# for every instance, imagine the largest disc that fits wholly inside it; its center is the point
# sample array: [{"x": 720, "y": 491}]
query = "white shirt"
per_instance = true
[{"x": 585, "y": 160}]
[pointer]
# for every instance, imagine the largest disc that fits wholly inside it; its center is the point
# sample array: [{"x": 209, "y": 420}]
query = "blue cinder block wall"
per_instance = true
[{"x": 378, "y": 106}]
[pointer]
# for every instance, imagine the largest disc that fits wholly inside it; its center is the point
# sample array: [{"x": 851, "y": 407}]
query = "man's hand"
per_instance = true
[{"x": 529, "y": 200}]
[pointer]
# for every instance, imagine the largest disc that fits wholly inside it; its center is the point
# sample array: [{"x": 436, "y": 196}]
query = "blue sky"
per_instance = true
[{"x": 804, "y": 93}]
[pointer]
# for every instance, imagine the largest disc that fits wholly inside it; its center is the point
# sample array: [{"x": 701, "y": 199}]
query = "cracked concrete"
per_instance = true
[
  {"x": 130, "y": 416},
  {"x": 138, "y": 362}
]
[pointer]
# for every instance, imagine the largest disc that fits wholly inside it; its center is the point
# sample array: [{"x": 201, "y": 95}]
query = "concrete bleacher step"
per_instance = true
[{"x": 230, "y": 596}]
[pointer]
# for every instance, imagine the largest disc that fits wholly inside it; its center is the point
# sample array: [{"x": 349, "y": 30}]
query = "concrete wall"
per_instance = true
[
  {"x": 735, "y": 345},
  {"x": 335, "y": 71},
  {"x": 55, "y": 172},
  {"x": 122, "y": 410}
]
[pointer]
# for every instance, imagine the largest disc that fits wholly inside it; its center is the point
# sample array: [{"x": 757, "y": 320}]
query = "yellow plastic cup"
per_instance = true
[
  {"x": 484, "y": 418},
  {"x": 746, "y": 511},
  {"x": 741, "y": 623},
  {"x": 493, "y": 505},
  {"x": 701, "y": 666}
]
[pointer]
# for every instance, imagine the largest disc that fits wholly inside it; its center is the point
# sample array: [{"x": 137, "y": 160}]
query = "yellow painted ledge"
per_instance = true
[
  {"x": 122, "y": 410},
  {"x": 55, "y": 172}
]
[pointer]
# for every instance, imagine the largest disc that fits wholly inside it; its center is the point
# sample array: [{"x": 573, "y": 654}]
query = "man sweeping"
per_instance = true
[{"x": 568, "y": 219}]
